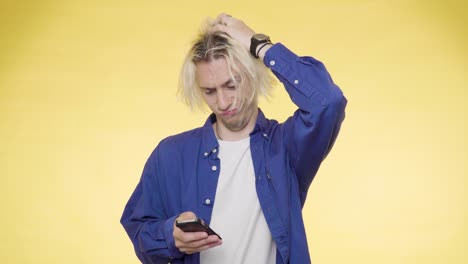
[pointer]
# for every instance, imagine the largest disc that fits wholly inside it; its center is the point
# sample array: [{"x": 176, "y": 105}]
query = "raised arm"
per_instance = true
[{"x": 310, "y": 133}]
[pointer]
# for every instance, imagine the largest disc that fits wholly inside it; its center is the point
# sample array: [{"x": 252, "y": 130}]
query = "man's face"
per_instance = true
[{"x": 219, "y": 90}]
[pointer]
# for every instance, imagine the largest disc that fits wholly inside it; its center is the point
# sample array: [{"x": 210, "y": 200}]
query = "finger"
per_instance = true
[
  {"x": 197, "y": 243},
  {"x": 188, "y": 237},
  {"x": 209, "y": 240},
  {"x": 219, "y": 27},
  {"x": 194, "y": 245},
  {"x": 189, "y": 250},
  {"x": 225, "y": 19},
  {"x": 181, "y": 244},
  {"x": 222, "y": 15},
  {"x": 200, "y": 243},
  {"x": 211, "y": 245},
  {"x": 186, "y": 215},
  {"x": 219, "y": 18}
]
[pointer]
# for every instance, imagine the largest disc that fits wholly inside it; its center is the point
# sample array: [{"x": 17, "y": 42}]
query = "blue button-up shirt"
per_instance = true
[{"x": 182, "y": 172}]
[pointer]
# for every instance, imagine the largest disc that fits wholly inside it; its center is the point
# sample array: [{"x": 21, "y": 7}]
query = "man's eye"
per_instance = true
[
  {"x": 209, "y": 91},
  {"x": 231, "y": 87}
]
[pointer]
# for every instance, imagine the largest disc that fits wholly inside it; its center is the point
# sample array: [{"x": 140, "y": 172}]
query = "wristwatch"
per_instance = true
[{"x": 256, "y": 40}]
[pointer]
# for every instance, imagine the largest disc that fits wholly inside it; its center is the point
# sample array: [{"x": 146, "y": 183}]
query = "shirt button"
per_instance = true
[
  {"x": 272, "y": 63},
  {"x": 296, "y": 81},
  {"x": 207, "y": 201},
  {"x": 213, "y": 168},
  {"x": 265, "y": 135},
  {"x": 206, "y": 154},
  {"x": 214, "y": 150}
]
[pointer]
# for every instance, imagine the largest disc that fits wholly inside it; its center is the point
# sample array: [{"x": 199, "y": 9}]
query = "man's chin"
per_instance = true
[{"x": 233, "y": 125}]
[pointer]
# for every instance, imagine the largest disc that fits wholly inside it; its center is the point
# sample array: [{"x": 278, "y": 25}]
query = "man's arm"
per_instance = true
[
  {"x": 145, "y": 222},
  {"x": 310, "y": 133},
  {"x": 154, "y": 234},
  {"x": 239, "y": 31}
]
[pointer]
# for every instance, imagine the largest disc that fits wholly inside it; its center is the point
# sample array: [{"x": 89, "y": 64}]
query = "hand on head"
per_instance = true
[{"x": 235, "y": 28}]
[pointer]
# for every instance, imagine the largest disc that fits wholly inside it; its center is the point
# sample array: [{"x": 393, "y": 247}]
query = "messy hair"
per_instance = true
[{"x": 245, "y": 70}]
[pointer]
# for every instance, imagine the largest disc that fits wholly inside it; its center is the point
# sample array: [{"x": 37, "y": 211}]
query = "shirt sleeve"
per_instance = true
[
  {"x": 145, "y": 221},
  {"x": 310, "y": 133}
]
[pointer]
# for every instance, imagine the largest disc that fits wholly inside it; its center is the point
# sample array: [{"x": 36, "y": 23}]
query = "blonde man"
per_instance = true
[{"x": 241, "y": 173}]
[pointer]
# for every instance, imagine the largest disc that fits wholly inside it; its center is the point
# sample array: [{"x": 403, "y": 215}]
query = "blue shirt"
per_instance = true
[{"x": 182, "y": 172}]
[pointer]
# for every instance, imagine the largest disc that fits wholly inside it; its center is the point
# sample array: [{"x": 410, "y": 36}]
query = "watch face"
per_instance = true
[{"x": 261, "y": 37}]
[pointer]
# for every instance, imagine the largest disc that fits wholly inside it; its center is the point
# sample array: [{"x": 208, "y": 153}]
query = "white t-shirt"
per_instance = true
[{"x": 237, "y": 216}]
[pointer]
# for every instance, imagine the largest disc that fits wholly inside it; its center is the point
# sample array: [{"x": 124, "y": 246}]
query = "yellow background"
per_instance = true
[{"x": 87, "y": 90}]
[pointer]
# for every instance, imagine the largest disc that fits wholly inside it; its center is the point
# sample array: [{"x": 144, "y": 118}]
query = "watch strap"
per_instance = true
[{"x": 256, "y": 40}]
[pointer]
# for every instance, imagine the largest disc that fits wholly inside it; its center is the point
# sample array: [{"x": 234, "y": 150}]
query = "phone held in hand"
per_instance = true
[{"x": 195, "y": 225}]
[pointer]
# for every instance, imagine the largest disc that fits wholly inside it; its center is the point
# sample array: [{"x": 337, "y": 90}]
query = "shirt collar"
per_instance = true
[
  {"x": 261, "y": 123},
  {"x": 210, "y": 142}
]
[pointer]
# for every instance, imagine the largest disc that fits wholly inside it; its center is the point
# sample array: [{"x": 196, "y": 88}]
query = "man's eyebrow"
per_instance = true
[{"x": 228, "y": 82}]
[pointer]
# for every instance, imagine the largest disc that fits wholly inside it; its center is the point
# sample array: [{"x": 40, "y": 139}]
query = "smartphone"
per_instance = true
[{"x": 195, "y": 225}]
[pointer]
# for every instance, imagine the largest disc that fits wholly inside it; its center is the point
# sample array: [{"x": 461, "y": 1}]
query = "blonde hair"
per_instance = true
[{"x": 211, "y": 45}]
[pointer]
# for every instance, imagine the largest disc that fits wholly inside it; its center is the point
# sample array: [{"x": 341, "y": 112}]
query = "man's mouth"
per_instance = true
[{"x": 229, "y": 113}]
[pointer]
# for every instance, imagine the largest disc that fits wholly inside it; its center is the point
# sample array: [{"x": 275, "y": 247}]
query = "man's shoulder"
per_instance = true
[
  {"x": 176, "y": 146},
  {"x": 183, "y": 139}
]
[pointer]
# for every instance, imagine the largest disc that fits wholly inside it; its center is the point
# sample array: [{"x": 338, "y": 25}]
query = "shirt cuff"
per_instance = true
[
  {"x": 174, "y": 252},
  {"x": 278, "y": 56}
]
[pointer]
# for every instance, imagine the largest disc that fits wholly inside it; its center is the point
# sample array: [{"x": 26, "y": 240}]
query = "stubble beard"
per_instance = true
[{"x": 240, "y": 121}]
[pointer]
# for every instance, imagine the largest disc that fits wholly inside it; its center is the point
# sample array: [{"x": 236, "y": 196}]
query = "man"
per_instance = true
[{"x": 245, "y": 175}]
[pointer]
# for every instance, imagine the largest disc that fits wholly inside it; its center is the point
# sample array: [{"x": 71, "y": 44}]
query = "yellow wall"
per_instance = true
[{"x": 87, "y": 89}]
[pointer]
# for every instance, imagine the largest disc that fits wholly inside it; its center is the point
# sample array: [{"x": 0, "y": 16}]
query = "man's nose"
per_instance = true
[{"x": 224, "y": 101}]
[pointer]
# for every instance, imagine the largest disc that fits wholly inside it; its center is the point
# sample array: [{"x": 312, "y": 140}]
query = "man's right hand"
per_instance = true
[{"x": 192, "y": 242}]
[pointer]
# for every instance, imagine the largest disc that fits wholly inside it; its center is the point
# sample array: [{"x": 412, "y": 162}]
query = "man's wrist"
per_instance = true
[
  {"x": 262, "y": 49},
  {"x": 256, "y": 41}
]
